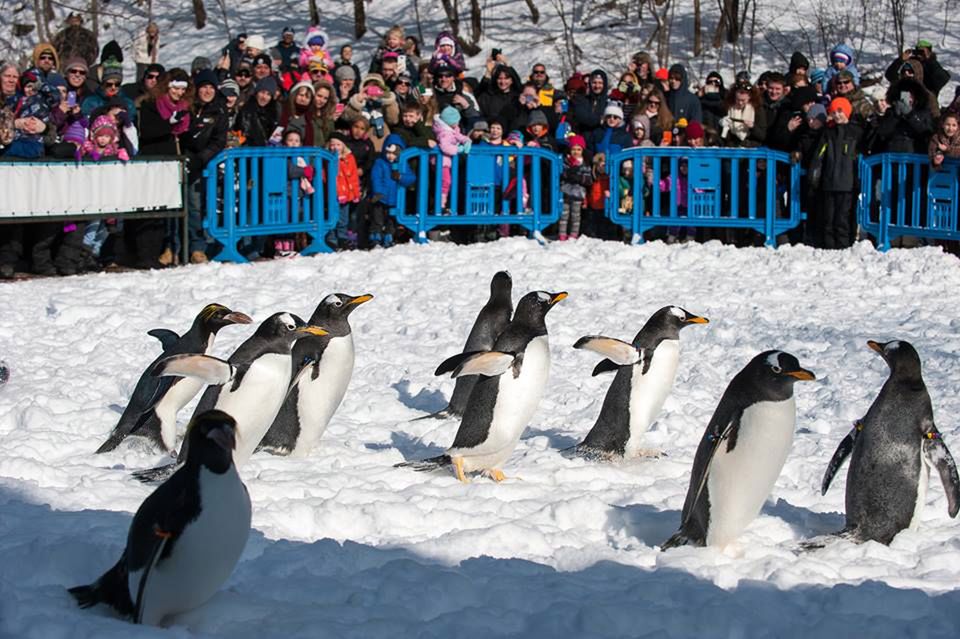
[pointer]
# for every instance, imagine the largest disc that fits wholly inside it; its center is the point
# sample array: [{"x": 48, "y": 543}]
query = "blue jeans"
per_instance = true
[{"x": 346, "y": 221}]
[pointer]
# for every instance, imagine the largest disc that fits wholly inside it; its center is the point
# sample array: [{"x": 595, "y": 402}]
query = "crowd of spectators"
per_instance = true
[{"x": 71, "y": 102}]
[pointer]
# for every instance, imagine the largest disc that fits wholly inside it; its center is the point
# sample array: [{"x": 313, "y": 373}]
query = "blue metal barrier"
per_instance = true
[
  {"x": 249, "y": 193},
  {"x": 718, "y": 182},
  {"x": 500, "y": 185},
  {"x": 908, "y": 198}
]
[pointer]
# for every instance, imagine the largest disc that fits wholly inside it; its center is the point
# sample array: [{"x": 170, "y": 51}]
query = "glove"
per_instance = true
[
  {"x": 176, "y": 117},
  {"x": 123, "y": 119},
  {"x": 375, "y": 198},
  {"x": 395, "y": 175},
  {"x": 465, "y": 147}
]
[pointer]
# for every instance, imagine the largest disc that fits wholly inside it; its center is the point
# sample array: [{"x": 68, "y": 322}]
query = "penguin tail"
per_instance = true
[
  {"x": 154, "y": 475},
  {"x": 112, "y": 442},
  {"x": 678, "y": 539},
  {"x": 424, "y": 465},
  {"x": 86, "y": 596},
  {"x": 440, "y": 414},
  {"x": 110, "y": 588}
]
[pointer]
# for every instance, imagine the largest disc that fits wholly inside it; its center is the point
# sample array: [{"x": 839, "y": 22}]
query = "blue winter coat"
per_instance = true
[{"x": 381, "y": 177}]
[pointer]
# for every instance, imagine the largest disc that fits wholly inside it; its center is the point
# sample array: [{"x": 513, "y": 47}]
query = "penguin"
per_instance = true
[
  {"x": 310, "y": 404},
  {"x": 250, "y": 386},
  {"x": 512, "y": 378},
  {"x": 186, "y": 537},
  {"x": 152, "y": 409},
  {"x": 645, "y": 372},
  {"x": 490, "y": 322},
  {"x": 742, "y": 451},
  {"x": 891, "y": 452}
]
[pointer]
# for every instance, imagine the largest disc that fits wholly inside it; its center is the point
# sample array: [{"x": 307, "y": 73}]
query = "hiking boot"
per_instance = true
[
  {"x": 198, "y": 257},
  {"x": 166, "y": 258}
]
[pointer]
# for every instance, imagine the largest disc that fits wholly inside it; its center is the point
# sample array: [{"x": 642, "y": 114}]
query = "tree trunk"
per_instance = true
[
  {"x": 450, "y": 8},
  {"x": 314, "y": 13},
  {"x": 95, "y": 17},
  {"x": 226, "y": 19},
  {"x": 199, "y": 14},
  {"x": 48, "y": 14},
  {"x": 697, "y": 41},
  {"x": 534, "y": 12},
  {"x": 476, "y": 23},
  {"x": 359, "y": 19},
  {"x": 42, "y": 31}
]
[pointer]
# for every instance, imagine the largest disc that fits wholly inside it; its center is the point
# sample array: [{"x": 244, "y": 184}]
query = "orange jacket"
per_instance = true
[{"x": 348, "y": 180}]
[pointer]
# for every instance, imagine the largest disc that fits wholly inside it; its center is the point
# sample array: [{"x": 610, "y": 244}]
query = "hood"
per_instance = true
[
  {"x": 921, "y": 97},
  {"x": 393, "y": 138},
  {"x": 842, "y": 48},
  {"x": 510, "y": 71},
  {"x": 798, "y": 61},
  {"x": 679, "y": 69},
  {"x": 602, "y": 74},
  {"x": 48, "y": 48},
  {"x": 376, "y": 78},
  {"x": 111, "y": 50}
]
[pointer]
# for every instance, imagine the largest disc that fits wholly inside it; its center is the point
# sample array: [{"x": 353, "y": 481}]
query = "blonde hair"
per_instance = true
[{"x": 396, "y": 30}]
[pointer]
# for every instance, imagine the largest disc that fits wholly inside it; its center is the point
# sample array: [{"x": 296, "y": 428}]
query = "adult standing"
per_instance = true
[
  {"x": 140, "y": 90},
  {"x": 498, "y": 91},
  {"x": 76, "y": 41},
  {"x": 146, "y": 48},
  {"x": 587, "y": 110},
  {"x": 45, "y": 60},
  {"x": 682, "y": 102},
  {"x": 325, "y": 112},
  {"x": 935, "y": 77}
]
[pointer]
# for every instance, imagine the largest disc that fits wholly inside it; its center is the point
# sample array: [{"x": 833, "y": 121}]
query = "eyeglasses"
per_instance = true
[
  {"x": 243, "y": 73},
  {"x": 539, "y": 72},
  {"x": 77, "y": 72},
  {"x": 405, "y": 83},
  {"x": 45, "y": 56},
  {"x": 111, "y": 85},
  {"x": 152, "y": 76},
  {"x": 844, "y": 83}
]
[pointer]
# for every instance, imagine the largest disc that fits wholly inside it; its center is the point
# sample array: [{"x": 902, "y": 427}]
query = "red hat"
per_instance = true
[
  {"x": 661, "y": 74},
  {"x": 577, "y": 140},
  {"x": 694, "y": 130},
  {"x": 841, "y": 104},
  {"x": 575, "y": 84}
]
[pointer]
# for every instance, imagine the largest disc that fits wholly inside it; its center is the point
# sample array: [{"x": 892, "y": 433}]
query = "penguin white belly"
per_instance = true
[
  {"x": 517, "y": 401},
  {"x": 256, "y": 401},
  {"x": 318, "y": 399},
  {"x": 167, "y": 408},
  {"x": 204, "y": 555},
  {"x": 923, "y": 482},
  {"x": 649, "y": 392},
  {"x": 740, "y": 481}
]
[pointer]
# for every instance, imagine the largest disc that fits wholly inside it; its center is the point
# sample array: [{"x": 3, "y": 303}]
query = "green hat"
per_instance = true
[{"x": 924, "y": 44}]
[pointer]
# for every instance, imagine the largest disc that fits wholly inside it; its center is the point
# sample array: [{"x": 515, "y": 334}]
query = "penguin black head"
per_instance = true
[
  {"x": 286, "y": 327},
  {"x": 900, "y": 356},
  {"x": 216, "y": 316},
  {"x": 337, "y": 306},
  {"x": 775, "y": 372},
  {"x": 212, "y": 437},
  {"x": 501, "y": 286},
  {"x": 674, "y": 318},
  {"x": 534, "y": 306}
]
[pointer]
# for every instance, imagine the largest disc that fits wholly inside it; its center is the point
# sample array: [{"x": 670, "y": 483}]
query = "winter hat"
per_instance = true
[
  {"x": 199, "y": 64},
  {"x": 575, "y": 84},
  {"x": 798, "y": 61},
  {"x": 268, "y": 84},
  {"x": 802, "y": 95},
  {"x": 661, "y": 74},
  {"x": 446, "y": 40},
  {"x": 841, "y": 104},
  {"x": 256, "y": 42},
  {"x": 111, "y": 70},
  {"x": 287, "y": 30},
  {"x": 229, "y": 87},
  {"x": 715, "y": 74},
  {"x": 303, "y": 84},
  {"x": 613, "y": 109},
  {"x": 76, "y": 132},
  {"x": 316, "y": 38},
  {"x": 514, "y": 136},
  {"x": 924, "y": 44},
  {"x": 694, "y": 130},
  {"x": 154, "y": 68},
  {"x": 345, "y": 72},
  {"x": 840, "y": 56},
  {"x": 480, "y": 125},
  {"x": 56, "y": 80},
  {"x": 337, "y": 135},
  {"x": 30, "y": 77},
  {"x": 263, "y": 58},
  {"x": 450, "y": 116},
  {"x": 298, "y": 125},
  {"x": 206, "y": 76},
  {"x": 111, "y": 50},
  {"x": 76, "y": 63},
  {"x": 316, "y": 63},
  {"x": 817, "y": 75},
  {"x": 537, "y": 117},
  {"x": 577, "y": 140},
  {"x": 818, "y": 112},
  {"x": 104, "y": 122},
  {"x": 742, "y": 76},
  {"x": 641, "y": 122},
  {"x": 682, "y": 123}
]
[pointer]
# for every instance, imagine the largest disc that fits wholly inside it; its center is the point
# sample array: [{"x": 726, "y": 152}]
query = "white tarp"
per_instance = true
[{"x": 38, "y": 189}]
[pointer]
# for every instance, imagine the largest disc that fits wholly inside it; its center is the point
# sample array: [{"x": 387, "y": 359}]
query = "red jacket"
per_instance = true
[{"x": 348, "y": 180}]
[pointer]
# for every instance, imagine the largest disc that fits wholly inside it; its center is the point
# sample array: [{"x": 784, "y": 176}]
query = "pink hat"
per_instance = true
[{"x": 577, "y": 140}]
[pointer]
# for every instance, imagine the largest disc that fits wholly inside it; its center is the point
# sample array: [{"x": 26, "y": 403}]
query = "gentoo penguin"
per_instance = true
[
  {"x": 318, "y": 392},
  {"x": 250, "y": 386},
  {"x": 645, "y": 372},
  {"x": 490, "y": 322},
  {"x": 742, "y": 451},
  {"x": 152, "y": 409},
  {"x": 512, "y": 378},
  {"x": 186, "y": 537},
  {"x": 894, "y": 446}
]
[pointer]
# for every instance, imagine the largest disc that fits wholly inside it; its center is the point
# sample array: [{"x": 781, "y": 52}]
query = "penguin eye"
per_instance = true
[
  {"x": 776, "y": 369},
  {"x": 337, "y": 303}
]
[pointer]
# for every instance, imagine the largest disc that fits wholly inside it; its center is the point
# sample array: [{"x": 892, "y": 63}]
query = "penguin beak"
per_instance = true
[
  {"x": 313, "y": 330},
  {"x": 696, "y": 319},
  {"x": 803, "y": 375},
  {"x": 556, "y": 297},
  {"x": 360, "y": 299},
  {"x": 237, "y": 318},
  {"x": 875, "y": 346},
  {"x": 224, "y": 436}
]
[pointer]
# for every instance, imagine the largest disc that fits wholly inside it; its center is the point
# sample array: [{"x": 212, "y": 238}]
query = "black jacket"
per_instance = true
[
  {"x": 206, "y": 137},
  {"x": 909, "y": 132},
  {"x": 682, "y": 103},
  {"x": 837, "y": 151},
  {"x": 587, "y": 110},
  {"x": 156, "y": 132},
  {"x": 258, "y": 123}
]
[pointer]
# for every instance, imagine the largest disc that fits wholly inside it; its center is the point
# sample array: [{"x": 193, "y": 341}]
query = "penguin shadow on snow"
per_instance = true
[
  {"x": 298, "y": 589},
  {"x": 429, "y": 401},
  {"x": 805, "y": 523},
  {"x": 556, "y": 439},
  {"x": 412, "y": 448},
  {"x": 644, "y": 522}
]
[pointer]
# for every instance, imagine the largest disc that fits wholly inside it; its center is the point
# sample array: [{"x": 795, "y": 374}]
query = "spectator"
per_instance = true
[
  {"x": 587, "y": 110},
  {"x": 776, "y": 112},
  {"x": 403, "y": 90},
  {"x": 45, "y": 59},
  {"x": 76, "y": 76},
  {"x": 528, "y": 106},
  {"x": 411, "y": 46},
  {"x": 612, "y": 137},
  {"x": 539, "y": 78},
  {"x": 913, "y": 70},
  {"x": 841, "y": 59},
  {"x": 9, "y": 83},
  {"x": 863, "y": 109},
  {"x": 576, "y": 178},
  {"x": 386, "y": 180},
  {"x": 262, "y": 67},
  {"x": 933, "y": 76},
  {"x": 346, "y": 82},
  {"x": 376, "y": 104},
  {"x": 661, "y": 120},
  {"x": 412, "y": 129},
  {"x": 640, "y": 130},
  {"x": 75, "y": 41},
  {"x": 713, "y": 97},
  {"x": 791, "y": 124},
  {"x": 744, "y": 108},
  {"x": 447, "y": 55},
  {"x": 498, "y": 92},
  {"x": 109, "y": 88},
  {"x": 246, "y": 87},
  {"x": 316, "y": 49},
  {"x": 260, "y": 116},
  {"x": 799, "y": 64},
  {"x": 362, "y": 149},
  {"x": 662, "y": 78},
  {"x": 299, "y": 110},
  {"x": 393, "y": 42},
  {"x": 346, "y": 60},
  {"x": 908, "y": 122},
  {"x": 232, "y": 55},
  {"x": 146, "y": 49},
  {"x": 446, "y": 130},
  {"x": 32, "y": 115},
  {"x": 288, "y": 51},
  {"x": 641, "y": 65},
  {"x": 682, "y": 103},
  {"x": 945, "y": 143},
  {"x": 837, "y": 151},
  {"x": 627, "y": 93},
  {"x": 146, "y": 81},
  {"x": 348, "y": 192},
  {"x": 448, "y": 91},
  {"x": 324, "y": 112}
]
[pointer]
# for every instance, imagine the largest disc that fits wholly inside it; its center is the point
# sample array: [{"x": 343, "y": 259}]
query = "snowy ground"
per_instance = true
[{"x": 345, "y": 545}]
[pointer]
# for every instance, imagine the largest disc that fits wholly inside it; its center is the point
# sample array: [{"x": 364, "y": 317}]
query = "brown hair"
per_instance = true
[{"x": 163, "y": 85}]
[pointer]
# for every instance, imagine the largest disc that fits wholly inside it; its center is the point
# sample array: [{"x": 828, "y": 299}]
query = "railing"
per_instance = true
[
  {"x": 488, "y": 185},
  {"x": 900, "y": 194},
  {"x": 249, "y": 193},
  {"x": 728, "y": 188}
]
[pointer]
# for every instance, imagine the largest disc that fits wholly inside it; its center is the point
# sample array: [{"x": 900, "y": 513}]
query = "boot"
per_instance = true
[
  {"x": 198, "y": 257},
  {"x": 166, "y": 258}
]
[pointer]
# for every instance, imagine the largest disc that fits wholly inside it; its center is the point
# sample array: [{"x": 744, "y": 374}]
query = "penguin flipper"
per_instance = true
[
  {"x": 110, "y": 588},
  {"x": 210, "y": 370},
  {"x": 490, "y": 363},
  {"x": 422, "y": 465},
  {"x": 938, "y": 456},
  {"x": 153, "y": 475},
  {"x": 451, "y": 363},
  {"x": 843, "y": 451},
  {"x": 619, "y": 352},
  {"x": 167, "y": 337},
  {"x": 605, "y": 366}
]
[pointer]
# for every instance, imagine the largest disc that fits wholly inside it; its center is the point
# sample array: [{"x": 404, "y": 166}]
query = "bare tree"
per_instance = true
[
  {"x": 898, "y": 10},
  {"x": 314, "y": 13},
  {"x": 199, "y": 14}
]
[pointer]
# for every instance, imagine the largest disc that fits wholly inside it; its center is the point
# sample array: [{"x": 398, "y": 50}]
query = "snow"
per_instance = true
[{"x": 346, "y": 545}]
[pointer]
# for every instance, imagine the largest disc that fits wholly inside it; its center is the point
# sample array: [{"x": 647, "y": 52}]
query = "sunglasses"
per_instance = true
[
  {"x": 77, "y": 72},
  {"x": 539, "y": 72},
  {"x": 844, "y": 83},
  {"x": 111, "y": 85},
  {"x": 653, "y": 102},
  {"x": 444, "y": 75},
  {"x": 614, "y": 117},
  {"x": 45, "y": 56},
  {"x": 715, "y": 83},
  {"x": 152, "y": 76},
  {"x": 403, "y": 83},
  {"x": 243, "y": 74},
  {"x": 672, "y": 79},
  {"x": 316, "y": 71}
]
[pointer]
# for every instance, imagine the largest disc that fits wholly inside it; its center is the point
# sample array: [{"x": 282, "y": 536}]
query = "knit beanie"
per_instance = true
[
  {"x": 694, "y": 130},
  {"x": 537, "y": 117},
  {"x": 206, "y": 76},
  {"x": 76, "y": 63},
  {"x": 817, "y": 112},
  {"x": 345, "y": 72},
  {"x": 514, "y": 136},
  {"x": 111, "y": 70},
  {"x": 613, "y": 109},
  {"x": 104, "y": 122},
  {"x": 229, "y": 87},
  {"x": 577, "y": 140},
  {"x": 840, "y": 56},
  {"x": 450, "y": 116},
  {"x": 75, "y": 132},
  {"x": 268, "y": 84},
  {"x": 302, "y": 84},
  {"x": 841, "y": 104},
  {"x": 817, "y": 75}
]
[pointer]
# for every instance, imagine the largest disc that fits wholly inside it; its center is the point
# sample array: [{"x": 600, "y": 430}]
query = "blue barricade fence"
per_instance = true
[
  {"x": 728, "y": 188},
  {"x": 250, "y": 193},
  {"x": 488, "y": 185},
  {"x": 900, "y": 194}
]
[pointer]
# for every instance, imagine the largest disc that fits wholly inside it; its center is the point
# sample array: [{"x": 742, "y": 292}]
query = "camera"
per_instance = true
[{"x": 495, "y": 53}]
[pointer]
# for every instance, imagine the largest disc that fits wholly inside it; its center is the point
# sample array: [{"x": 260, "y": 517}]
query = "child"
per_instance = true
[
  {"x": 297, "y": 169},
  {"x": 447, "y": 55},
  {"x": 393, "y": 42},
  {"x": 446, "y": 128},
  {"x": 348, "y": 191},
  {"x": 315, "y": 50},
  {"x": 412, "y": 129},
  {"x": 841, "y": 58},
  {"x": 38, "y": 100},
  {"x": 539, "y": 128},
  {"x": 104, "y": 141},
  {"x": 597, "y": 195},
  {"x": 386, "y": 178},
  {"x": 479, "y": 132},
  {"x": 362, "y": 149},
  {"x": 576, "y": 177},
  {"x": 836, "y": 153},
  {"x": 946, "y": 142},
  {"x": 495, "y": 134}
]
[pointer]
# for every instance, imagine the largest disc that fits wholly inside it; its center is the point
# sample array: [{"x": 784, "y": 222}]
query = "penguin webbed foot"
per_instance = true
[
  {"x": 458, "y": 469},
  {"x": 495, "y": 474}
]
